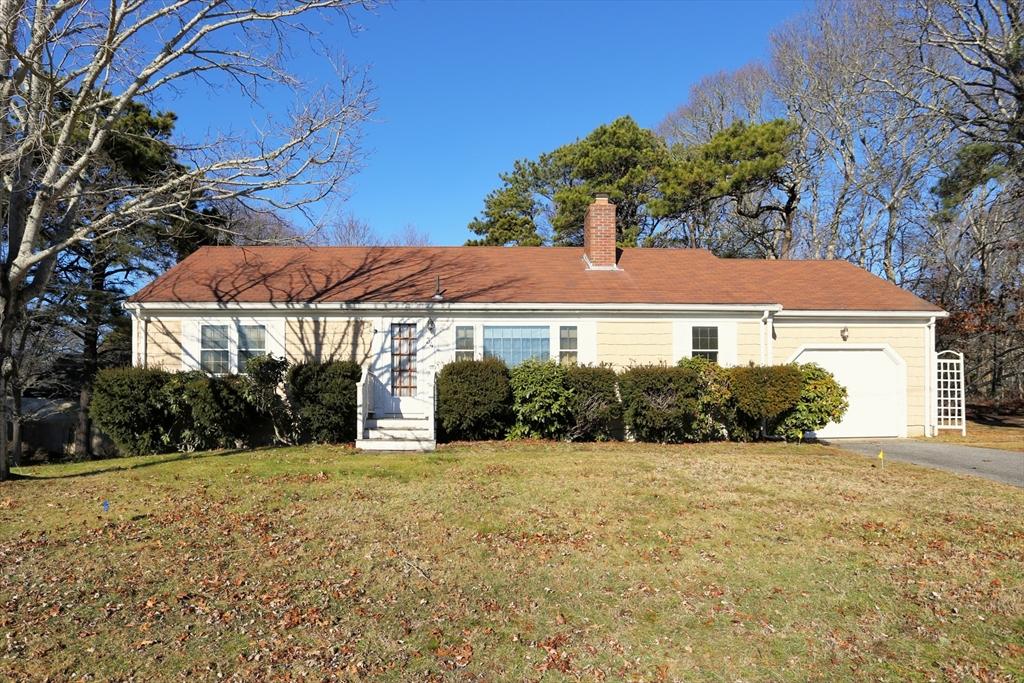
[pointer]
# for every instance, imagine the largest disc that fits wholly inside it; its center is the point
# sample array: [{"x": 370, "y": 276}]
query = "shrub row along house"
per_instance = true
[{"x": 402, "y": 313}]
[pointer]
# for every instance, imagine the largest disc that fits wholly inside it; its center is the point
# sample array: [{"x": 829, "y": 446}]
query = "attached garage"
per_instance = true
[{"x": 875, "y": 378}]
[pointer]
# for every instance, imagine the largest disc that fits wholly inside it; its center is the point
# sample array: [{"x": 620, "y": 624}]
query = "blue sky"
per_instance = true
[{"x": 465, "y": 88}]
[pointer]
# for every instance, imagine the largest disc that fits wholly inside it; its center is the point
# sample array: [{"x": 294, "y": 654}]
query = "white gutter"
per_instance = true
[
  {"x": 525, "y": 306},
  {"x": 792, "y": 313},
  {"x": 433, "y": 306}
]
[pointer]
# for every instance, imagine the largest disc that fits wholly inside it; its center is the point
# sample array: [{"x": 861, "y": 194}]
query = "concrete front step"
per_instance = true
[
  {"x": 397, "y": 434},
  {"x": 420, "y": 433},
  {"x": 396, "y": 444},
  {"x": 397, "y": 422}
]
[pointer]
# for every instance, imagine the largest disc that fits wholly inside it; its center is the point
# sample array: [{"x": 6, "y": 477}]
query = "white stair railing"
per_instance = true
[
  {"x": 364, "y": 401},
  {"x": 950, "y": 409}
]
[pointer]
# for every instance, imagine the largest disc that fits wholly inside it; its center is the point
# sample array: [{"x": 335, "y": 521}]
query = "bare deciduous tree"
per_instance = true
[
  {"x": 350, "y": 231},
  {"x": 70, "y": 67}
]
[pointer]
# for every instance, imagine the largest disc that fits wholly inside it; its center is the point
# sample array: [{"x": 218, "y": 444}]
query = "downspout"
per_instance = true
[
  {"x": 764, "y": 326},
  {"x": 135, "y": 334},
  {"x": 145, "y": 341}
]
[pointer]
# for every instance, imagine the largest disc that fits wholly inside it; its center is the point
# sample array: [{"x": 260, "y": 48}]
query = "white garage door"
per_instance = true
[{"x": 876, "y": 385}]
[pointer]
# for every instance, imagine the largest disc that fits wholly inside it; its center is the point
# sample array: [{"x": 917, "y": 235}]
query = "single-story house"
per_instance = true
[{"x": 404, "y": 312}]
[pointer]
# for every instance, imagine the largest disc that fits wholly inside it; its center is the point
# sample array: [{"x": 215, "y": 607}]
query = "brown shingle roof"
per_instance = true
[{"x": 518, "y": 275}]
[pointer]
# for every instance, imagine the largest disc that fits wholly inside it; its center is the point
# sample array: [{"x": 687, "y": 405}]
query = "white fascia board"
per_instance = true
[
  {"x": 440, "y": 307},
  {"x": 923, "y": 316}
]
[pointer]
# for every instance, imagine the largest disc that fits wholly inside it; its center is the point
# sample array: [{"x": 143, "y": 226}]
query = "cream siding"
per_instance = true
[
  {"x": 640, "y": 342},
  {"x": 908, "y": 341},
  {"x": 748, "y": 342},
  {"x": 164, "y": 344},
  {"x": 324, "y": 339}
]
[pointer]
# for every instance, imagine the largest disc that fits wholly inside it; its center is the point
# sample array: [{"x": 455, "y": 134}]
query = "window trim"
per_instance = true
[
  {"x": 191, "y": 338},
  {"x": 699, "y": 352},
  {"x": 226, "y": 350},
  {"x": 472, "y": 350},
  {"x": 517, "y": 325},
  {"x": 238, "y": 345},
  {"x": 562, "y": 350},
  {"x": 586, "y": 342}
]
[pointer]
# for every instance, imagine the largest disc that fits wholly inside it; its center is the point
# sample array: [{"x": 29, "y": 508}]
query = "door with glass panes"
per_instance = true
[{"x": 400, "y": 389}]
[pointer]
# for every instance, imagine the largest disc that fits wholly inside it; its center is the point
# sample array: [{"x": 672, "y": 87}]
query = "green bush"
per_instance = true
[
  {"x": 594, "y": 404},
  {"x": 822, "y": 400},
  {"x": 208, "y": 412},
  {"x": 474, "y": 400},
  {"x": 716, "y": 411},
  {"x": 764, "y": 393},
  {"x": 323, "y": 400},
  {"x": 261, "y": 387},
  {"x": 541, "y": 400},
  {"x": 128, "y": 406},
  {"x": 660, "y": 403}
]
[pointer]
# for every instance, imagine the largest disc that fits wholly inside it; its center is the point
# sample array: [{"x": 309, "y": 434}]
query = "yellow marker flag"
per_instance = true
[{"x": 881, "y": 456}]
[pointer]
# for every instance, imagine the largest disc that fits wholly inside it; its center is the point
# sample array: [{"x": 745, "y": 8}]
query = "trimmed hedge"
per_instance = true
[
  {"x": 763, "y": 394},
  {"x": 822, "y": 400},
  {"x": 541, "y": 400},
  {"x": 128, "y": 406},
  {"x": 660, "y": 403},
  {"x": 323, "y": 400},
  {"x": 474, "y": 400},
  {"x": 594, "y": 404},
  {"x": 716, "y": 410},
  {"x": 208, "y": 412},
  {"x": 152, "y": 411}
]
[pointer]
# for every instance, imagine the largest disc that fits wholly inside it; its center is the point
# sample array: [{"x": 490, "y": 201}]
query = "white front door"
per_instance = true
[
  {"x": 400, "y": 390},
  {"x": 876, "y": 388}
]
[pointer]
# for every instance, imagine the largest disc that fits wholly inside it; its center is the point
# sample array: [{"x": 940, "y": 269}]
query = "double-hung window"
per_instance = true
[
  {"x": 705, "y": 343},
  {"x": 227, "y": 348},
  {"x": 214, "y": 349},
  {"x": 517, "y": 344},
  {"x": 568, "y": 345},
  {"x": 464, "y": 342},
  {"x": 252, "y": 342}
]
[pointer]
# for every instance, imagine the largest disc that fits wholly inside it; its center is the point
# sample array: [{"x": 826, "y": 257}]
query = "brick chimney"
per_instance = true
[{"x": 599, "y": 235}]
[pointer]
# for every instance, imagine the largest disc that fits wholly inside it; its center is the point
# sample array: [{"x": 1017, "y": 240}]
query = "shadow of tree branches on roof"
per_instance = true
[{"x": 308, "y": 276}]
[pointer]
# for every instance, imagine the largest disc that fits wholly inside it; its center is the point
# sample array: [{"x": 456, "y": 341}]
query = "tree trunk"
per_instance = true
[
  {"x": 83, "y": 427},
  {"x": 4, "y": 467},
  {"x": 90, "y": 358},
  {"x": 16, "y": 423}
]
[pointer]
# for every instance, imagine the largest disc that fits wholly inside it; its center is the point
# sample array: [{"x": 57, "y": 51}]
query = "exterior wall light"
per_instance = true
[{"x": 845, "y": 333}]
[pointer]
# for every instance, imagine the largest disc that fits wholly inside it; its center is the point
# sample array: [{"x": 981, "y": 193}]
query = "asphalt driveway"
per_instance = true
[{"x": 1004, "y": 466}]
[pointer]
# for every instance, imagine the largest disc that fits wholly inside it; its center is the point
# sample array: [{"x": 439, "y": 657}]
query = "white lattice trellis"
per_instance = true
[{"x": 949, "y": 394}]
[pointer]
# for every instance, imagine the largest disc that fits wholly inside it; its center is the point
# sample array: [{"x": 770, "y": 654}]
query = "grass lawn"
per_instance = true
[
  {"x": 510, "y": 562},
  {"x": 1008, "y": 437}
]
